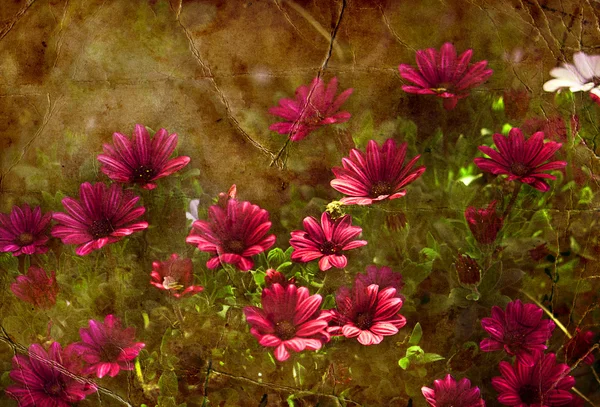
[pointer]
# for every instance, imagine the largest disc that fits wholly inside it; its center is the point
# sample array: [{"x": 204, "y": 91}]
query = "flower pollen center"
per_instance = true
[
  {"x": 25, "y": 239},
  {"x": 530, "y": 395},
  {"x": 170, "y": 283},
  {"x": 285, "y": 330},
  {"x": 143, "y": 174},
  {"x": 110, "y": 352},
  {"x": 234, "y": 246},
  {"x": 381, "y": 188},
  {"x": 519, "y": 169},
  {"x": 101, "y": 228},
  {"x": 330, "y": 248},
  {"x": 364, "y": 320},
  {"x": 53, "y": 388}
]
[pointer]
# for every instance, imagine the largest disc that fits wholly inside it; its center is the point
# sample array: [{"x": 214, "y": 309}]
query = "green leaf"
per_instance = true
[
  {"x": 168, "y": 384},
  {"x": 498, "y": 104},
  {"x": 275, "y": 257},
  {"x": 404, "y": 363},
  {"x": 166, "y": 401},
  {"x": 431, "y": 357},
  {"x": 416, "y": 335}
]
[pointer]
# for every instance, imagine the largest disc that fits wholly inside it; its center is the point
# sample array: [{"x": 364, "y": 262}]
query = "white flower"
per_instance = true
[
  {"x": 193, "y": 213},
  {"x": 582, "y": 76}
]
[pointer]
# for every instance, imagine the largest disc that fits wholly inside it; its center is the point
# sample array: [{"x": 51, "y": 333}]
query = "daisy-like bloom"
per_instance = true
[
  {"x": 444, "y": 74},
  {"x": 275, "y": 277},
  {"x": 24, "y": 231},
  {"x": 383, "y": 276},
  {"x": 448, "y": 392},
  {"x": 326, "y": 241},
  {"x": 484, "y": 223},
  {"x": 233, "y": 233},
  {"x": 106, "y": 347},
  {"x": 316, "y": 105},
  {"x": 520, "y": 331},
  {"x": 40, "y": 382},
  {"x": 103, "y": 215},
  {"x": 581, "y": 76},
  {"x": 36, "y": 288},
  {"x": 579, "y": 346},
  {"x": 367, "y": 313},
  {"x": 523, "y": 161},
  {"x": 545, "y": 383},
  {"x": 290, "y": 319},
  {"x": 175, "y": 275},
  {"x": 141, "y": 160},
  {"x": 377, "y": 175}
]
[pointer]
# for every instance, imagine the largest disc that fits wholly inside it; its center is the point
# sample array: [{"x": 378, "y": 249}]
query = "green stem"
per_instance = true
[
  {"x": 552, "y": 317},
  {"x": 512, "y": 201}
]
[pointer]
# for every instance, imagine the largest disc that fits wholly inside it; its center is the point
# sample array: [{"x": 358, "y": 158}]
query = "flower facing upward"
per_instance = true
[
  {"x": 141, "y": 160},
  {"x": 383, "y": 276},
  {"x": 523, "y": 161},
  {"x": 468, "y": 271},
  {"x": 316, "y": 105},
  {"x": 367, "y": 313},
  {"x": 581, "y": 76},
  {"x": 103, "y": 215},
  {"x": 444, "y": 74},
  {"x": 290, "y": 319},
  {"x": 543, "y": 384},
  {"x": 447, "y": 392},
  {"x": 520, "y": 331},
  {"x": 326, "y": 241},
  {"x": 24, "y": 231},
  {"x": 484, "y": 223},
  {"x": 578, "y": 347},
  {"x": 233, "y": 233},
  {"x": 40, "y": 383},
  {"x": 377, "y": 175},
  {"x": 36, "y": 288},
  {"x": 106, "y": 347},
  {"x": 175, "y": 275}
]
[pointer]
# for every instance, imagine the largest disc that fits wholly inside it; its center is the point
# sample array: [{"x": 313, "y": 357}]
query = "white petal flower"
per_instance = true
[
  {"x": 581, "y": 76},
  {"x": 193, "y": 213}
]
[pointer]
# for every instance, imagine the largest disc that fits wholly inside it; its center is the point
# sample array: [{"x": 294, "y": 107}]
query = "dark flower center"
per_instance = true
[
  {"x": 54, "y": 388},
  {"x": 381, "y": 188},
  {"x": 143, "y": 174},
  {"x": 364, "y": 320},
  {"x": 101, "y": 228},
  {"x": 514, "y": 340},
  {"x": 285, "y": 330},
  {"x": 330, "y": 248},
  {"x": 519, "y": 169},
  {"x": 234, "y": 246},
  {"x": 530, "y": 395},
  {"x": 110, "y": 352},
  {"x": 25, "y": 239}
]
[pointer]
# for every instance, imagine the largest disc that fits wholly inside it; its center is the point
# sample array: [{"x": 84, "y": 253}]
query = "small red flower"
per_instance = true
[
  {"x": 326, "y": 241},
  {"x": 468, "y": 271},
  {"x": 141, "y": 160},
  {"x": 377, "y": 175},
  {"x": 484, "y": 223},
  {"x": 175, "y": 275},
  {"x": 315, "y": 106},
  {"x": 290, "y": 319},
  {"x": 24, "y": 231},
  {"x": 444, "y": 74},
  {"x": 448, "y": 392},
  {"x": 36, "y": 288},
  {"x": 579, "y": 345},
  {"x": 523, "y": 161},
  {"x": 275, "y": 277}
]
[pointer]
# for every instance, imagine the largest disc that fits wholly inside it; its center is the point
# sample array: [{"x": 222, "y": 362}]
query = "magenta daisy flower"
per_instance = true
[
  {"x": 103, "y": 215},
  {"x": 326, "y": 241},
  {"x": 367, "y": 313},
  {"x": 141, "y": 160},
  {"x": 377, "y": 175},
  {"x": 36, "y": 288},
  {"x": 520, "y": 331},
  {"x": 545, "y": 383},
  {"x": 24, "y": 231},
  {"x": 448, "y": 392},
  {"x": 523, "y": 161},
  {"x": 290, "y": 319},
  {"x": 233, "y": 234},
  {"x": 484, "y": 223},
  {"x": 579, "y": 345},
  {"x": 444, "y": 74},
  {"x": 383, "y": 276},
  {"x": 175, "y": 276},
  {"x": 40, "y": 383},
  {"x": 106, "y": 347},
  {"x": 316, "y": 105}
]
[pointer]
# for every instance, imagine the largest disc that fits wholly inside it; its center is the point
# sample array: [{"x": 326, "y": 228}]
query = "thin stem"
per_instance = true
[
  {"x": 512, "y": 201},
  {"x": 580, "y": 394},
  {"x": 552, "y": 317},
  {"x": 280, "y": 152}
]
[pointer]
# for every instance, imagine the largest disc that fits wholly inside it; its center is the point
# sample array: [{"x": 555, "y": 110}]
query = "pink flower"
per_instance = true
[
  {"x": 326, "y": 241},
  {"x": 383, "y": 276},
  {"x": 579, "y": 345},
  {"x": 315, "y": 106},
  {"x": 36, "y": 288},
  {"x": 523, "y": 161},
  {"x": 275, "y": 277},
  {"x": 484, "y": 223},
  {"x": 545, "y": 383},
  {"x": 377, "y": 175},
  {"x": 290, "y": 319},
  {"x": 520, "y": 331},
  {"x": 367, "y": 313},
  {"x": 141, "y": 160},
  {"x": 444, "y": 75},
  {"x": 103, "y": 215},
  {"x": 40, "y": 383},
  {"x": 449, "y": 392},
  {"x": 233, "y": 234},
  {"x": 24, "y": 231},
  {"x": 106, "y": 347},
  {"x": 175, "y": 275}
]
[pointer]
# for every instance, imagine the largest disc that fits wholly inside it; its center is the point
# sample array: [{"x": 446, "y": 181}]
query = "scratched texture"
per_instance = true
[{"x": 72, "y": 72}]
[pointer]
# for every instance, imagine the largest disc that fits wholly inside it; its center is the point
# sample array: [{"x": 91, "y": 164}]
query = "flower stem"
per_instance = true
[
  {"x": 512, "y": 201},
  {"x": 552, "y": 317},
  {"x": 580, "y": 394}
]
